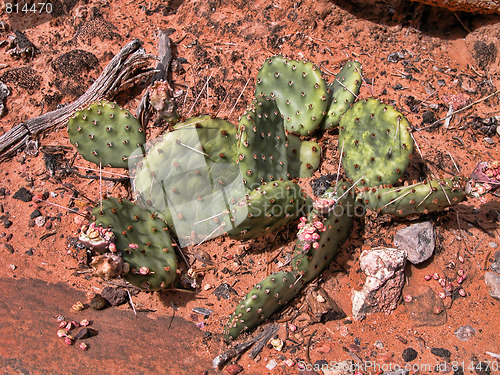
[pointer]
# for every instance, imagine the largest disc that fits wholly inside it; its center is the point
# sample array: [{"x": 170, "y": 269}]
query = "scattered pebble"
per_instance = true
[
  {"x": 77, "y": 306},
  {"x": 85, "y": 333},
  {"x": 207, "y": 287},
  {"x": 417, "y": 240},
  {"x": 8, "y": 247},
  {"x": 493, "y": 245},
  {"x": 378, "y": 344},
  {"x": 493, "y": 281},
  {"x": 277, "y": 344},
  {"x": 83, "y": 346},
  {"x": 271, "y": 365},
  {"x": 465, "y": 332},
  {"x": 441, "y": 352},
  {"x": 394, "y": 57},
  {"x": 98, "y": 302},
  {"x": 7, "y": 223},
  {"x": 48, "y": 225},
  {"x": 23, "y": 195},
  {"x": 203, "y": 311},
  {"x": 233, "y": 369},
  {"x": 115, "y": 296},
  {"x": 35, "y": 214},
  {"x": 409, "y": 354},
  {"x": 40, "y": 221},
  {"x": 223, "y": 291}
]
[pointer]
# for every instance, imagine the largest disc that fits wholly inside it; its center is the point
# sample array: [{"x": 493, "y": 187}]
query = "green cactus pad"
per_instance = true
[
  {"x": 423, "y": 197},
  {"x": 105, "y": 134},
  {"x": 376, "y": 141},
  {"x": 303, "y": 157},
  {"x": 261, "y": 144},
  {"x": 343, "y": 92},
  {"x": 325, "y": 229},
  {"x": 265, "y": 209},
  {"x": 299, "y": 90},
  {"x": 189, "y": 175},
  {"x": 143, "y": 240},
  {"x": 266, "y": 298}
]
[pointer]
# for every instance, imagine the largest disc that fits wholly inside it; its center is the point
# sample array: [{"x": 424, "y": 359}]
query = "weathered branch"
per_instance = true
[
  {"x": 144, "y": 111},
  {"x": 124, "y": 65}
]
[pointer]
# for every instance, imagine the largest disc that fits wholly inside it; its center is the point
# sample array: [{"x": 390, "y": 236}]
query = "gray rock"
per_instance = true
[
  {"x": 384, "y": 269},
  {"x": 417, "y": 240},
  {"x": 493, "y": 281},
  {"x": 465, "y": 332}
]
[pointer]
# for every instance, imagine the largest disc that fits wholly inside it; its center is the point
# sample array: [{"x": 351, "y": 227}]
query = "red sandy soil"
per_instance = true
[{"x": 229, "y": 42}]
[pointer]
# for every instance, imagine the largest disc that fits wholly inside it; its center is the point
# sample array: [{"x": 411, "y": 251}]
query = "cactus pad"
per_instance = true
[
  {"x": 377, "y": 143},
  {"x": 188, "y": 176},
  {"x": 143, "y": 240},
  {"x": 423, "y": 197},
  {"x": 343, "y": 92},
  {"x": 299, "y": 90},
  {"x": 105, "y": 134},
  {"x": 266, "y": 298},
  {"x": 326, "y": 227},
  {"x": 303, "y": 157},
  {"x": 261, "y": 144},
  {"x": 265, "y": 209}
]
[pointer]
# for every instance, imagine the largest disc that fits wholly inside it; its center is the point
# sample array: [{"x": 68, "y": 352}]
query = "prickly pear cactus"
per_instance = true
[
  {"x": 266, "y": 298},
  {"x": 343, "y": 92},
  {"x": 299, "y": 90},
  {"x": 265, "y": 209},
  {"x": 105, "y": 134},
  {"x": 303, "y": 157},
  {"x": 326, "y": 227},
  {"x": 423, "y": 197},
  {"x": 188, "y": 177},
  {"x": 261, "y": 144},
  {"x": 143, "y": 240},
  {"x": 376, "y": 142}
]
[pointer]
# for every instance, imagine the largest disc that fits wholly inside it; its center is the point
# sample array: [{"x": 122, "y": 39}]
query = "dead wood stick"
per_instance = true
[
  {"x": 122, "y": 67},
  {"x": 459, "y": 110},
  {"x": 143, "y": 112},
  {"x": 225, "y": 357}
]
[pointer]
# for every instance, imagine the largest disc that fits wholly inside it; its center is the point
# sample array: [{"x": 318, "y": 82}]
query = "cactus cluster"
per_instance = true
[{"x": 207, "y": 177}]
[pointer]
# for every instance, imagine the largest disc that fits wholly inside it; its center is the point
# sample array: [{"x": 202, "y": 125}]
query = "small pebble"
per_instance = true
[
  {"x": 48, "y": 225},
  {"x": 7, "y": 223},
  {"x": 115, "y": 296},
  {"x": 379, "y": 344},
  {"x": 465, "y": 332},
  {"x": 98, "y": 302},
  {"x": 23, "y": 195},
  {"x": 35, "y": 214},
  {"x": 272, "y": 364},
  {"x": 409, "y": 354},
  {"x": 40, "y": 221},
  {"x": 320, "y": 298},
  {"x": 8, "y": 247},
  {"x": 83, "y": 346},
  {"x": 493, "y": 245},
  {"x": 85, "y": 333},
  {"x": 233, "y": 369},
  {"x": 489, "y": 140}
]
